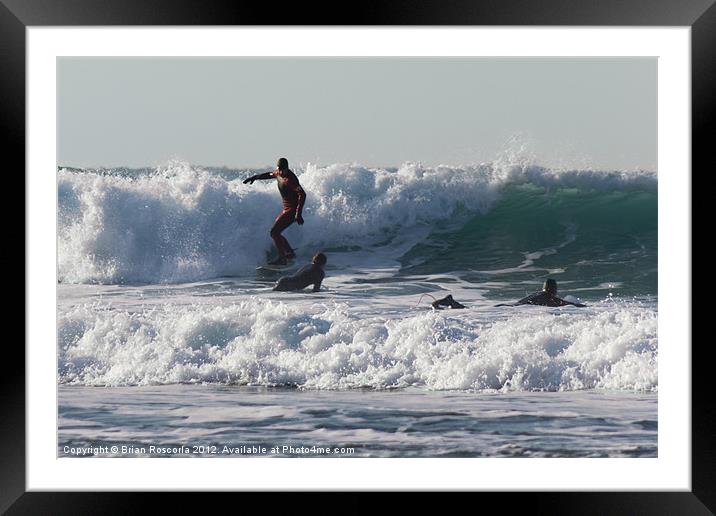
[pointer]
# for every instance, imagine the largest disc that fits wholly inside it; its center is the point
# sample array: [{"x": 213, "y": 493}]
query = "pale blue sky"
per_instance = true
[{"x": 247, "y": 112}]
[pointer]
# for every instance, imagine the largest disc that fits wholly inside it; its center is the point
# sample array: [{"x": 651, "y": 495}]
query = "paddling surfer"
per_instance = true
[
  {"x": 307, "y": 275},
  {"x": 548, "y": 297}
]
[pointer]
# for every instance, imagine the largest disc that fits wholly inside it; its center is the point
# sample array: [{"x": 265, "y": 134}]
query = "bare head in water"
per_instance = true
[
  {"x": 319, "y": 259},
  {"x": 550, "y": 286},
  {"x": 282, "y": 164}
]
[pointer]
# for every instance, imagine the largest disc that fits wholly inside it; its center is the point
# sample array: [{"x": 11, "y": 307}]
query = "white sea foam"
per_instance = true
[
  {"x": 185, "y": 223},
  {"x": 326, "y": 346}
]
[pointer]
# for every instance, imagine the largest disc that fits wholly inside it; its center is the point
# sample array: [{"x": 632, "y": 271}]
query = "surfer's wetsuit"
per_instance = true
[
  {"x": 307, "y": 275},
  {"x": 293, "y": 198},
  {"x": 543, "y": 299},
  {"x": 447, "y": 301}
]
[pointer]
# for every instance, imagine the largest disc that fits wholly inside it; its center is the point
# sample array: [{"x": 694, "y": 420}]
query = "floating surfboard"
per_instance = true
[{"x": 274, "y": 268}]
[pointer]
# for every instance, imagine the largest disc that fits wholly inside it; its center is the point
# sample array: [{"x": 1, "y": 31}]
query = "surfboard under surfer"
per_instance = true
[{"x": 294, "y": 198}]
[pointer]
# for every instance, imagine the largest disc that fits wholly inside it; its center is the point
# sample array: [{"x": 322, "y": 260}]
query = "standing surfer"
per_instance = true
[{"x": 293, "y": 201}]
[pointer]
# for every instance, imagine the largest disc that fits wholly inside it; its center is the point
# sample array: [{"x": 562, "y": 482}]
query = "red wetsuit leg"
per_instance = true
[
  {"x": 284, "y": 220},
  {"x": 287, "y": 247}
]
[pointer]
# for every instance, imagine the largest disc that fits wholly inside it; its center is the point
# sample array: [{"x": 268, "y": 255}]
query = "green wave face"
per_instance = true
[{"x": 593, "y": 243}]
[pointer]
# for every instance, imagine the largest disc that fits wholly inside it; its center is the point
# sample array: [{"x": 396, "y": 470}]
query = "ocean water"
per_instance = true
[{"x": 168, "y": 337}]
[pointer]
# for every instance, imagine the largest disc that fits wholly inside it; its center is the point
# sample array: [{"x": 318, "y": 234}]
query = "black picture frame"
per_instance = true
[{"x": 700, "y": 15}]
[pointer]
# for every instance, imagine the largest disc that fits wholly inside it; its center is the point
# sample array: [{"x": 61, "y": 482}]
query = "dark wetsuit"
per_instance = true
[
  {"x": 293, "y": 200},
  {"x": 310, "y": 274},
  {"x": 543, "y": 299},
  {"x": 446, "y": 301}
]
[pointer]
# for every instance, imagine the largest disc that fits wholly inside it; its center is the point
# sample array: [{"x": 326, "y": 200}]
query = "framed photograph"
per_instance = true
[{"x": 422, "y": 252}]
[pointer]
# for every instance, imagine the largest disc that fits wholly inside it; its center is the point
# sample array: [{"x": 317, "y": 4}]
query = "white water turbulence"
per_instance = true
[
  {"x": 325, "y": 346},
  {"x": 390, "y": 235},
  {"x": 182, "y": 223},
  {"x": 161, "y": 305}
]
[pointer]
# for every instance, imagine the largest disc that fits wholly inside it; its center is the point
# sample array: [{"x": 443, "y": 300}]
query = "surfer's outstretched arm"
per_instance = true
[{"x": 260, "y": 177}]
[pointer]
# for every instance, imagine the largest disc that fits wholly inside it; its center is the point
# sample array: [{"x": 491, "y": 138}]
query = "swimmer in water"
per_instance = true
[
  {"x": 548, "y": 297},
  {"x": 307, "y": 275}
]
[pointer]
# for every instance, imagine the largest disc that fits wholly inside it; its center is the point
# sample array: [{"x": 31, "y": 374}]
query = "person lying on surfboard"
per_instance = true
[
  {"x": 548, "y": 297},
  {"x": 307, "y": 275},
  {"x": 294, "y": 199}
]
